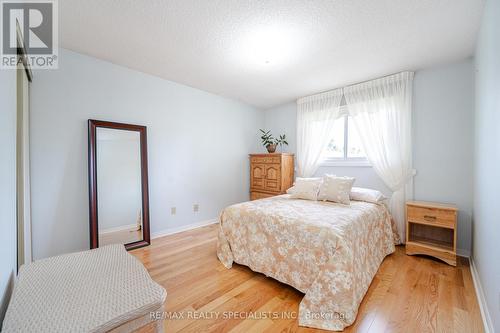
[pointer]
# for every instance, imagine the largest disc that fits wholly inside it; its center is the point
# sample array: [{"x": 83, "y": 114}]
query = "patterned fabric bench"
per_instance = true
[{"x": 101, "y": 290}]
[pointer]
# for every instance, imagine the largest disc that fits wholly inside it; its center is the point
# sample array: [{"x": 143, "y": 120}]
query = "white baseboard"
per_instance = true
[
  {"x": 483, "y": 306},
  {"x": 175, "y": 230}
]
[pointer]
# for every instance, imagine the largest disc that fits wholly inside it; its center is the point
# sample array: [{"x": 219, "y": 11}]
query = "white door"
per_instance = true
[{"x": 23, "y": 169}]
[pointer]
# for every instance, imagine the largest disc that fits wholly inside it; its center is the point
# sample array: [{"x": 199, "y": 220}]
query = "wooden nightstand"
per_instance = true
[{"x": 431, "y": 229}]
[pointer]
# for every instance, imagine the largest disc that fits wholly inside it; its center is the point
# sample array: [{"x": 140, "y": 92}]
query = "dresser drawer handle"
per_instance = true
[{"x": 429, "y": 218}]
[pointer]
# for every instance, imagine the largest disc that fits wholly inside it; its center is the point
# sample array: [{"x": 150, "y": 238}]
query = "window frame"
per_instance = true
[{"x": 345, "y": 160}]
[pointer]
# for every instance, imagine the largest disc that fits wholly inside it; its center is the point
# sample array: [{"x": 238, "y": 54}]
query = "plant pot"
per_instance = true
[{"x": 271, "y": 148}]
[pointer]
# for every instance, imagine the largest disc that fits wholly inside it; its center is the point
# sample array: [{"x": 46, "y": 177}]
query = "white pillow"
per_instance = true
[
  {"x": 336, "y": 189},
  {"x": 305, "y": 188},
  {"x": 293, "y": 189},
  {"x": 368, "y": 195}
]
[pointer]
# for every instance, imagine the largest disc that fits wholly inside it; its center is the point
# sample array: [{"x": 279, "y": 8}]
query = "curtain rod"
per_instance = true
[{"x": 353, "y": 84}]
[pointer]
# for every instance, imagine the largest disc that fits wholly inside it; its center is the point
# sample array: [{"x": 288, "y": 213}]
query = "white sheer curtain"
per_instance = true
[
  {"x": 381, "y": 112},
  {"x": 315, "y": 118}
]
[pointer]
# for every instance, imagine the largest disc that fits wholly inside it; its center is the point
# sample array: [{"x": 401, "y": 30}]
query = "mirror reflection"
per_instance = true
[{"x": 119, "y": 194}]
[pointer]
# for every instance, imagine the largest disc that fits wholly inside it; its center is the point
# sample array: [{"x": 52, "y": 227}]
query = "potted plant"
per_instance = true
[
  {"x": 281, "y": 141},
  {"x": 270, "y": 142}
]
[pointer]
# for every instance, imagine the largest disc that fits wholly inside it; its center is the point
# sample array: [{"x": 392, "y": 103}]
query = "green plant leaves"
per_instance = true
[{"x": 268, "y": 139}]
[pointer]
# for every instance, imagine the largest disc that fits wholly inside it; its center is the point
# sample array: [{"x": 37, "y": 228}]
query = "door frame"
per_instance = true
[{"x": 24, "y": 76}]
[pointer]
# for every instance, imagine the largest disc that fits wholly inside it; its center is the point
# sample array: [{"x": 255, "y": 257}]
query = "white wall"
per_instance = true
[
  {"x": 8, "y": 234},
  {"x": 443, "y": 140},
  {"x": 486, "y": 217},
  {"x": 283, "y": 120},
  {"x": 197, "y": 145}
]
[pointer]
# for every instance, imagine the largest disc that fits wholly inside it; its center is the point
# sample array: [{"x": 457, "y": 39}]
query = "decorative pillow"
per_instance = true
[
  {"x": 368, "y": 195},
  {"x": 305, "y": 188},
  {"x": 336, "y": 189}
]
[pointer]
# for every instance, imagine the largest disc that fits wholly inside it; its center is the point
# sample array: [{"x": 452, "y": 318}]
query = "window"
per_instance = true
[{"x": 345, "y": 148}]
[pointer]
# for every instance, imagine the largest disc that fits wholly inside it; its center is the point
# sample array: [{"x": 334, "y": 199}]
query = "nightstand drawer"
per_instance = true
[{"x": 432, "y": 216}]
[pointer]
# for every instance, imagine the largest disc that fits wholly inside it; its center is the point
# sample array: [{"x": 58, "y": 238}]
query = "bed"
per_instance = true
[{"x": 328, "y": 251}]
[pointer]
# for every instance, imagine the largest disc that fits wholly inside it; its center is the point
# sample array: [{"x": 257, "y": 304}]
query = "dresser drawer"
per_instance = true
[
  {"x": 432, "y": 216},
  {"x": 265, "y": 159}
]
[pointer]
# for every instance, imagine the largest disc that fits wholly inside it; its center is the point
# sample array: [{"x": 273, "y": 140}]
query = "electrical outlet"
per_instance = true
[
  {"x": 173, "y": 210},
  {"x": 196, "y": 207}
]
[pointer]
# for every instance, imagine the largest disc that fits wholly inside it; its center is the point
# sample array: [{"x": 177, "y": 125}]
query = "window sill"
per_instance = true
[{"x": 346, "y": 163}]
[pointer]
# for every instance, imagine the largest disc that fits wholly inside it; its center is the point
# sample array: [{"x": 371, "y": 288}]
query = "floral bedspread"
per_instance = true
[{"x": 328, "y": 251}]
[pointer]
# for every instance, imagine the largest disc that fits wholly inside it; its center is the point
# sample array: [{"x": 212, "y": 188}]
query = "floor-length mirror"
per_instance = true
[{"x": 118, "y": 184}]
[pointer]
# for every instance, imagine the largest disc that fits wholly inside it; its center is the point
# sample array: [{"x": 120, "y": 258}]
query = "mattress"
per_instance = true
[
  {"x": 328, "y": 251},
  {"x": 100, "y": 290}
]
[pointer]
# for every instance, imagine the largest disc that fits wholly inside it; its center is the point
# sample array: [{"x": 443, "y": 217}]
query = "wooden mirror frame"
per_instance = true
[{"x": 92, "y": 159}]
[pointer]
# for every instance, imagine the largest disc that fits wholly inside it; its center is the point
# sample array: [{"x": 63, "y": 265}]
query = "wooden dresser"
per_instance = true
[
  {"x": 270, "y": 174},
  {"x": 431, "y": 229}
]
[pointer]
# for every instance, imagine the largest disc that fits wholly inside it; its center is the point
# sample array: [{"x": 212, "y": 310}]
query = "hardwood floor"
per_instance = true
[{"x": 408, "y": 294}]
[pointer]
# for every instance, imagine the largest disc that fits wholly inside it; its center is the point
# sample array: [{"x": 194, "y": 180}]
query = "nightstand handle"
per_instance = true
[{"x": 429, "y": 218}]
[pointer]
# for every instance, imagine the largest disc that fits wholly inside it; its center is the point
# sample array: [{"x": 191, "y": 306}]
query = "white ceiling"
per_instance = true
[{"x": 265, "y": 52}]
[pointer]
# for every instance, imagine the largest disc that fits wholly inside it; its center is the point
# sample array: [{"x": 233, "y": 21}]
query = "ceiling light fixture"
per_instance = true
[{"x": 266, "y": 45}]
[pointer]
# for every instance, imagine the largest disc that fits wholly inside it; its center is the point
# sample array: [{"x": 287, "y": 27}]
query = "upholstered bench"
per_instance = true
[{"x": 100, "y": 290}]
